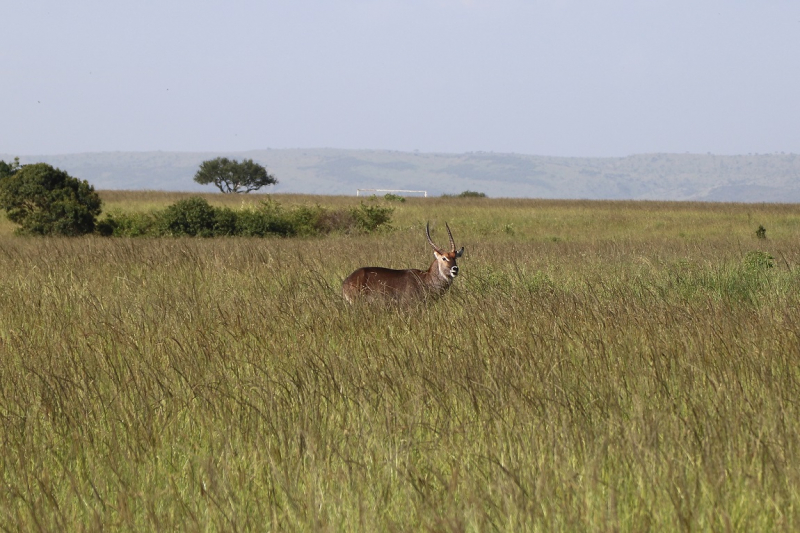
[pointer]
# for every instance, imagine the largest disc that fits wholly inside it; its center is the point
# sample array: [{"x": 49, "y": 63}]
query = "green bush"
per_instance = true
[
  {"x": 119, "y": 224},
  {"x": 305, "y": 220},
  {"x": 105, "y": 227},
  {"x": 251, "y": 224},
  {"x": 268, "y": 219},
  {"x": 394, "y": 198},
  {"x": 193, "y": 217},
  {"x": 756, "y": 261},
  {"x": 45, "y": 200},
  {"x": 369, "y": 218},
  {"x": 8, "y": 169},
  {"x": 226, "y": 222},
  {"x": 466, "y": 194},
  {"x": 196, "y": 217}
]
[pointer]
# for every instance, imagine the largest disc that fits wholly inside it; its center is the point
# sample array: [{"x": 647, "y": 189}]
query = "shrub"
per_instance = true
[
  {"x": 394, "y": 198},
  {"x": 756, "y": 261},
  {"x": 369, "y": 218},
  {"x": 8, "y": 169},
  {"x": 466, "y": 194},
  {"x": 119, "y": 224},
  {"x": 250, "y": 223},
  {"x": 226, "y": 222},
  {"x": 267, "y": 219},
  {"x": 193, "y": 217},
  {"x": 305, "y": 220},
  {"x": 45, "y": 200},
  {"x": 105, "y": 227}
]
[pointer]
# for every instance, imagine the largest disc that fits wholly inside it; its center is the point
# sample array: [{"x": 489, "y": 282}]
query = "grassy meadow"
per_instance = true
[{"x": 597, "y": 366}]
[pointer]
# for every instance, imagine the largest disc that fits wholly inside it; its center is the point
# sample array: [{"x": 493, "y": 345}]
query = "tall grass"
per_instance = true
[{"x": 596, "y": 366}]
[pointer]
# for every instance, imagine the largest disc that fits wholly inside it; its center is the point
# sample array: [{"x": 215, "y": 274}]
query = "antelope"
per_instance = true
[{"x": 406, "y": 284}]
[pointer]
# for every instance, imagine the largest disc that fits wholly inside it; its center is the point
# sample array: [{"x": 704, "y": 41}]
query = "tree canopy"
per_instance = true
[
  {"x": 231, "y": 176},
  {"x": 44, "y": 200},
  {"x": 7, "y": 169}
]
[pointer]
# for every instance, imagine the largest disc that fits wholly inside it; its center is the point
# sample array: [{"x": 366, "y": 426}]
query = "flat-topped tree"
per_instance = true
[{"x": 228, "y": 175}]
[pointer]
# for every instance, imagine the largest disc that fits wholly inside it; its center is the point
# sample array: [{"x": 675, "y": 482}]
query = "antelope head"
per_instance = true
[
  {"x": 408, "y": 284},
  {"x": 445, "y": 261}
]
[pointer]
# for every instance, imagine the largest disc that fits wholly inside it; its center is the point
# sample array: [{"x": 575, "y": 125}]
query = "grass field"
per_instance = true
[{"x": 597, "y": 366}]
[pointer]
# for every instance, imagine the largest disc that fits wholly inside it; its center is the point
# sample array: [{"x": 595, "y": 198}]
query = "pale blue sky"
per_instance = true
[{"x": 571, "y": 78}]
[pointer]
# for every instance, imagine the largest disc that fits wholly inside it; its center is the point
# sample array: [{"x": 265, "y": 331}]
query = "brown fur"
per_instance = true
[{"x": 409, "y": 284}]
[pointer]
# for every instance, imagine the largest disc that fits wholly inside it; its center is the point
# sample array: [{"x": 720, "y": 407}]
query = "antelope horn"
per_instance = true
[
  {"x": 428, "y": 234},
  {"x": 452, "y": 242}
]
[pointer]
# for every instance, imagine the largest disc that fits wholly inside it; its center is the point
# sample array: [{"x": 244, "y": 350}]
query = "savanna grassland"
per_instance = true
[{"x": 597, "y": 366}]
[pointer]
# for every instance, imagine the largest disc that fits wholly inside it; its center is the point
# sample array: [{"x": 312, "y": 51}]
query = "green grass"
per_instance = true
[{"x": 596, "y": 366}]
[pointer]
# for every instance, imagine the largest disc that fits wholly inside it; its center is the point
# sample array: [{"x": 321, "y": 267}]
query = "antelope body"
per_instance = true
[{"x": 408, "y": 284}]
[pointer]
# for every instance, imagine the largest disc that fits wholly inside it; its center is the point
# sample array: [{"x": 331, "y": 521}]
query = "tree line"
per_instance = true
[{"x": 44, "y": 200}]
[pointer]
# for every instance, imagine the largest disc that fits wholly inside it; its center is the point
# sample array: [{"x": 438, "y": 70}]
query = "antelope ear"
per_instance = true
[{"x": 460, "y": 252}]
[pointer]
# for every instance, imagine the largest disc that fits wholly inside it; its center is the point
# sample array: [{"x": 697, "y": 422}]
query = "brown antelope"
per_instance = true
[{"x": 406, "y": 284}]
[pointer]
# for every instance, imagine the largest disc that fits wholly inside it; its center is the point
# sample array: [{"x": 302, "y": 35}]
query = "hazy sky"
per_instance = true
[{"x": 557, "y": 77}]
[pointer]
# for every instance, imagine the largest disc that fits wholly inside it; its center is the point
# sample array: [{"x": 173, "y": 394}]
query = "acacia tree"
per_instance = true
[
  {"x": 44, "y": 200},
  {"x": 231, "y": 176}
]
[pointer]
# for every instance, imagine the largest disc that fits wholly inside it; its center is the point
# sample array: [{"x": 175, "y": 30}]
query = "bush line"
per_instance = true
[{"x": 195, "y": 217}]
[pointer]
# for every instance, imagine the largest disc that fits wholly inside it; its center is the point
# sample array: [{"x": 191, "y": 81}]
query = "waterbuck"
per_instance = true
[{"x": 406, "y": 284}]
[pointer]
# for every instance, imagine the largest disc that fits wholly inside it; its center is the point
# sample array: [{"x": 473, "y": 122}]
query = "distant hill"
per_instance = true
[{"x": 739, "y": 178}]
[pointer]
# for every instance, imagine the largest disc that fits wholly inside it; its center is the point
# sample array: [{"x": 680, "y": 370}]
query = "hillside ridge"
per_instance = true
[{"x": 701, "y": 177}]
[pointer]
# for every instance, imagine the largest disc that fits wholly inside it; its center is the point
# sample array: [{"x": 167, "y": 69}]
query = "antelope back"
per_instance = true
[{"x": 383, "y": 283}]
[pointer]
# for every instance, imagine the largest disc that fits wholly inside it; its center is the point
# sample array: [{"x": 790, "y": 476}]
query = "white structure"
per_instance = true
[{"x": 359, "y": 191}]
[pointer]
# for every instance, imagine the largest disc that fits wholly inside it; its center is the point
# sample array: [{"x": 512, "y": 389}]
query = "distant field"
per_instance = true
[{"x": 597, "y": 366}]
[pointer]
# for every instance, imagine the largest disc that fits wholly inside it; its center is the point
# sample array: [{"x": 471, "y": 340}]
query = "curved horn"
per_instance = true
[
  {"x": 452, "y": 242},
  {"x": 428, "y": 234}
]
